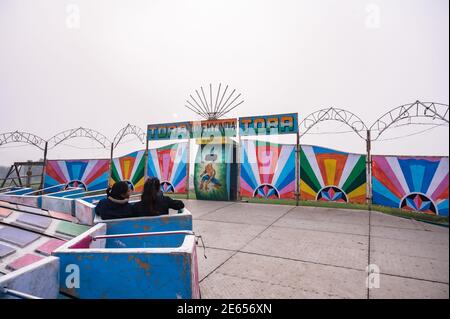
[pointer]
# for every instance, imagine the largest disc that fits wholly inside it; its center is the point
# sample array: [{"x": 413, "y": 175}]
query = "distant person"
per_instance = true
[
  {"x": 116, "y": 204},
  {"x": 29, "y": 176},
  {"x": 153, "y": 201}
]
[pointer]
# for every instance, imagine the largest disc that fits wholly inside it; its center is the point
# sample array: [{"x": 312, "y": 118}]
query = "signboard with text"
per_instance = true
[
  {"x": 214, "y": 129},
  {"x": 169, "y": 131},
  {"x": 248, "y": 126},
  {"x": 269, "y": 125}
]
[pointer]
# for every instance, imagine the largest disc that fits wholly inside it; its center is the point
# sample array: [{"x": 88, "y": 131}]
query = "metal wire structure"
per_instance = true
[
  {"x": 129, "y": 130},
  {"x": 214, "y": 105},
  {"x": 218, "y": 103},
  {"x": 406, "y": 113},
  {"x": 78, "y": 132},
  {"x": 22, "y": 137},
  {"x": 334, "y": 114}
]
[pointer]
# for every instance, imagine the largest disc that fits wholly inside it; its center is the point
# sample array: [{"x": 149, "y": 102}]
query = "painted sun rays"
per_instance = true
[
  {"x": 169, "y": 164},
  {"x": 88, "y": 174},
  {"x": 129, "y": 168},
  {"x": 329, "y": 175},
  {"x": 411, "y": 183},
  {"x": 267, "y": 170}
]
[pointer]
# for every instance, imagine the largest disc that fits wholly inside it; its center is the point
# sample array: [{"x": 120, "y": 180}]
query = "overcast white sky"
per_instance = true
[{"x": 137, "y": 62}]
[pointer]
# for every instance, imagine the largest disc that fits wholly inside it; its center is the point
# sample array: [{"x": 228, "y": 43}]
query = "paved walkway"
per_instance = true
[{"x": 272, "y": 251}]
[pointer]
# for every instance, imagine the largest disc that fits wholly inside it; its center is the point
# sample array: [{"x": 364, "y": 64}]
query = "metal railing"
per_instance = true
[{"x": 4, "y": 291}]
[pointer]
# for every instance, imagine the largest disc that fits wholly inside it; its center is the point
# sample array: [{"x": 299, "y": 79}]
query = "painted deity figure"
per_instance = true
[{"x": 209, "y": 176}]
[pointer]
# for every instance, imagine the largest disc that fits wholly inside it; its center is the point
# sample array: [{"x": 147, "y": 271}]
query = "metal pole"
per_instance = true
[
  {"x": 368, "y": 169},
  {"x": 18, "y": 294},
  {"x": 162, "y": 233},
  {"x": 111, "y": 155},
  {"x": 45, "y": 165},
  {"x": 239, "y": 156},
  {"x": 297, "y": 169},
  {"x": 188, "y": 167},
  {"x": 146, "y": 157}
]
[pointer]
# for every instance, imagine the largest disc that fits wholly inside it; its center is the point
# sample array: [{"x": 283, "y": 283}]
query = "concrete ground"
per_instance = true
[{"x": 273, "y": 251}]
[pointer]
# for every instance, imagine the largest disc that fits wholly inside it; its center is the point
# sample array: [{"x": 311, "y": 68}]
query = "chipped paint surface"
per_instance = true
[
  {"x": 142, "y": 264},
  {"x": 40, "y": 279},
  {"x": 62, "y": 205},
  {"x": 122, "y": 275},
  {"x": 33, "y": 201},
  {"x": 147, "y": 268},
  {"x": 195, "y": 276},
  {"x": 84, "y": 212},
  {"x": 150, "y": 224}
]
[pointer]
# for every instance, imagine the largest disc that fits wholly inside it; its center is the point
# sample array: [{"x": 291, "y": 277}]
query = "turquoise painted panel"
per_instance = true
[
  {"x": 128, "y": 275},
  {"x": 169, "y": 241},
  {"x": 150, "y": 224},
  {"x": 67, "y": 192}
]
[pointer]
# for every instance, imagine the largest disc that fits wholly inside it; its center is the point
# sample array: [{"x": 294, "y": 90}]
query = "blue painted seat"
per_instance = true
[
  {"x": 172, "y": 222},
  {"x": 137, "y": 265}
]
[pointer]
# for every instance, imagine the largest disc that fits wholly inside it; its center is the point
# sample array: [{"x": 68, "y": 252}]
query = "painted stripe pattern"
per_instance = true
[
  {"x": 93, "y": 174},
  {"x": 411, "y": 183},
  {"x": 330, "y": 175},
  {"x": 169, "y": 164},
  {"x": 268, "y": 170},
  {"x": 129, "y": 168}
]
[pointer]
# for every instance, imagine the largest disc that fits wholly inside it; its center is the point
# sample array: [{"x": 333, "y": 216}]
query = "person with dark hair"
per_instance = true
[
  {"x": 153, "y": 202},
  {"x": 116, "y": 204}
]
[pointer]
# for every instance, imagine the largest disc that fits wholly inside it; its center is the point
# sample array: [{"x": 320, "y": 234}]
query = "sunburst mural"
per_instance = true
[
  {"x": 267, "y": 170},
  {"x": 129, "y": 168},
  {"x": 411, "y": 183},
  {"x": 88, "y": 174},
  {"x": 169, "y": 164},
  {"x": 330, "y": 175}
]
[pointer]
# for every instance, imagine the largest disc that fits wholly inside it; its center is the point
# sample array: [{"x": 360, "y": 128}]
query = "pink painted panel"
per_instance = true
[
  {"x": 5, "y": 212},
  {"x": 24, "y": 261},
  {"x": 62, "y": 216},
  {"x": 50, "y": 246},
  {"x": 83, "y": 243}
]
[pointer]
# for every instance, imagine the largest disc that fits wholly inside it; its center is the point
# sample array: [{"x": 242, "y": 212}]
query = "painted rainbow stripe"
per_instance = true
[
  {"x": 92, "y": 174},
  {"x": 169, "y": 164},
  {"x": 412, "y": 183},
  {"x": 330, "y": 175},
  {"x": 267, "y": 170},
  {"x": 129, "y": 168}
]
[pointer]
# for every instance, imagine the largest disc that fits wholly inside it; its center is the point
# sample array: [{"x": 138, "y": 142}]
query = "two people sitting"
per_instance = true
[{"x": 153, "y": 202}]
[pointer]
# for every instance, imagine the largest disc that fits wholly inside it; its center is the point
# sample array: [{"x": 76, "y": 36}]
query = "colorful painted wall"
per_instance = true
[
  {"x": 411, "y": 183},
  {"x": 89, "y": 174},
  {"x": 130, "y": 168},
  {"x": 215, "y": 171},
  {"x": 267, "y": 170},
  {"x": 169, "y": 164},
  {"x": 330, "y": 175}
]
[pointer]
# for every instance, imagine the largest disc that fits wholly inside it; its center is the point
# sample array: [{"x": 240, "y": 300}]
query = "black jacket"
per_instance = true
[
  {"x": 162, "y": 206},
  {"x": 110, "y": 208}
]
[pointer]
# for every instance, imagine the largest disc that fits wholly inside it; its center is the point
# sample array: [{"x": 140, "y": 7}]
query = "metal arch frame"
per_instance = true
[
  {"x": 339, "y": 115},
  {"x": 334, "y": 114},
  {"x": 22, "y": 137},
  {"x": 418, "y": 109},
  {"x": 129, "y": 130},
  {"x": 78, "y": 132}
]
